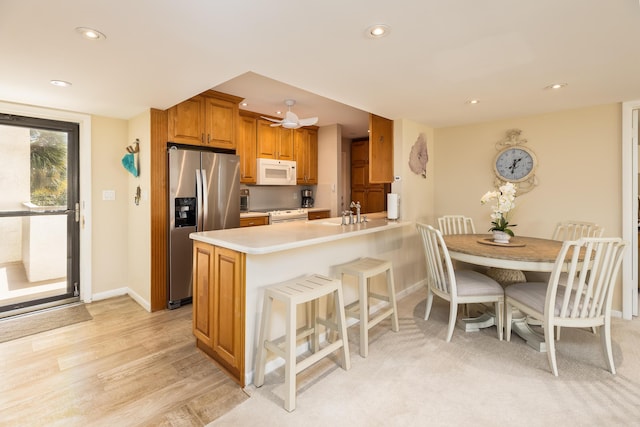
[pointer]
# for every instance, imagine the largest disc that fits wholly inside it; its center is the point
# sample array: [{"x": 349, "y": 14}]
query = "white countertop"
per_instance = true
[{"x": 290, "y": 235}]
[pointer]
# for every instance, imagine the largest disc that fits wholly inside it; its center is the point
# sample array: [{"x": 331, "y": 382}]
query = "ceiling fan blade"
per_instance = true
[
  {"x": 273, "y": 125},
  {"x": 270, "y": 119},
  {"x": 291, "y": 117},
  {"x": 308, "y": 121}
]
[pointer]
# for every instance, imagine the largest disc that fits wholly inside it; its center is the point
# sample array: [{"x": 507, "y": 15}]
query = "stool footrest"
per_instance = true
[{"x": 323, "y": 352}]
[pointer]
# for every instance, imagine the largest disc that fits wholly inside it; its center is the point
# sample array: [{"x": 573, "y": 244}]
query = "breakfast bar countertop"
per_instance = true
[{"x": 291, "y": 235}]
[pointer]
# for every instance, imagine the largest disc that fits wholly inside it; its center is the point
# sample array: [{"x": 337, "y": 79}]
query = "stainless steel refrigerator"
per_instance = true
[{"x": 204, "y": 194}]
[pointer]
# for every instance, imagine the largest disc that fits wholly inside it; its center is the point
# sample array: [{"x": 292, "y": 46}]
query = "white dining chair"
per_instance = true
[
  {"x": 455, "y": 286},
  {"x": 592, "y": 265},
  {"x": 456, "y": 224},
  {"x": 574, "y": 230}
]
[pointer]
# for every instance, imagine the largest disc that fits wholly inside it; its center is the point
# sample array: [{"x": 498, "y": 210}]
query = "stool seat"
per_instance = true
[
  {"x": 308, "y": 289},
  {"x": 364, "y": 269}
]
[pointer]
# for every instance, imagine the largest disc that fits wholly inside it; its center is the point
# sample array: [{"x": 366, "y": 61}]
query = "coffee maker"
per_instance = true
[{"x": 307, "y": 199}]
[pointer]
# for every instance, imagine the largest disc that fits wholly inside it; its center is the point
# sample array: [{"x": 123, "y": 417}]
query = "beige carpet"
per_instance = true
[
  {"x": 28, "y": 324},
  {"x": 414, "y": 378}
]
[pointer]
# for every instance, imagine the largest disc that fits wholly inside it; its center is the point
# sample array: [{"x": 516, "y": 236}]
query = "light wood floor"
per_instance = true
[{"x": 126, "y": 367}]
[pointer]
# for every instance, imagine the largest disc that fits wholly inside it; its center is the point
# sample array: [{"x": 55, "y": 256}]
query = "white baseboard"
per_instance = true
[{"x": 123, "y": 291}]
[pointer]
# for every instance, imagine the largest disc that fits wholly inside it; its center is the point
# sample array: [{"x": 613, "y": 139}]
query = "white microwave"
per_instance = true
[{"x": 276, "y": 172}]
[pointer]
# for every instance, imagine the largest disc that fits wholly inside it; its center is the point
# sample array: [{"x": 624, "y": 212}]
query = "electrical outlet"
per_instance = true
[
  {"x": 108, "y": 194},
  {"x": 295, "y": 196}
]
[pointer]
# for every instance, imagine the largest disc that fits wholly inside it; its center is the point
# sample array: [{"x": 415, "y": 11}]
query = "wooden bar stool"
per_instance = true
[
  {"x": 364, "y": 269},
  {"x": 308, "y": 289}
]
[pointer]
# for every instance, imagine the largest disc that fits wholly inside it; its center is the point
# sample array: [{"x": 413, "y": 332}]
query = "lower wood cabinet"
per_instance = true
[
  {"x": 219, "y": 306},
  {"x": 254, "y": 220},
  {"x": 319, "y": 214}
]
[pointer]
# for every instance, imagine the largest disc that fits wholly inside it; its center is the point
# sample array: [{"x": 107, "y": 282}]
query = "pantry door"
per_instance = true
[{"x": 39, "y": 213}]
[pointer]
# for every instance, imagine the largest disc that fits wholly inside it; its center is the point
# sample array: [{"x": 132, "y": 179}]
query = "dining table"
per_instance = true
[{"x": 522, "y": 253}]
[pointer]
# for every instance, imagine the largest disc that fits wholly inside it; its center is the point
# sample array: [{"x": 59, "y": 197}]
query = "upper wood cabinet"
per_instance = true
[
  {"x": 274, "y": 142},
  {"x": 305, "y": 149},
  {"x": 208, "y": 119},
  {"x": 380, "y": 149},
  {"x": 246, "y": 149}
]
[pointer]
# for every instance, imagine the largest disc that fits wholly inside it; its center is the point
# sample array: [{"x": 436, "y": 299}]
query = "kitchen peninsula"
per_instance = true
[{"x": 232, "y": 266}]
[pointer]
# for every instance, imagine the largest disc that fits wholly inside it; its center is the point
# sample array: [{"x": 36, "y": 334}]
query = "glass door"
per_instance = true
[{"x": 39, "y": 213}]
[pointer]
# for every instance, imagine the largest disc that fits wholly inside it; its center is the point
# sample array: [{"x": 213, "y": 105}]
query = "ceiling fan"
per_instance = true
[{"x": 291, "y": 120}]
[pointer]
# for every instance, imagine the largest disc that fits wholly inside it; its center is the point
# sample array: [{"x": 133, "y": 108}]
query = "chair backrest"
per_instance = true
[
  {"x": 574, "y": 230},
  {"x": 456, "y": 224},
  {"x": 440, "y": 273},
  {"x": 587, "y": 270}
]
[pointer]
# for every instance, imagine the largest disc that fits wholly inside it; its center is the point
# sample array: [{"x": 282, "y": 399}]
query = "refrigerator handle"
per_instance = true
[
  {"x": 205, "y": 199},
  {"x": 200, "y": 223}
]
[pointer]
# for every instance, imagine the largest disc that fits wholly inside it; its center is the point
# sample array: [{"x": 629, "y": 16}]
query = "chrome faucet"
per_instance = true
[{"x": 357, "y": 206}]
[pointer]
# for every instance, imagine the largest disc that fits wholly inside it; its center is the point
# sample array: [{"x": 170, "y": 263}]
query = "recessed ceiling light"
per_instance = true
[
  {"x": 60, "y": 83},
  {"x": 278, "y": 112},
  {"x": 378, "y": 30},
  {"x": 556, "y": 86},
  {"x": 90, "y": 33},
  {"x": 243, "y": 104},
  {"x": 473, "y": 101}
]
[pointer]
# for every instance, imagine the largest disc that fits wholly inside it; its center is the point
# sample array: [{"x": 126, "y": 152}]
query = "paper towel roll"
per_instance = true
[{"x": 392, "y": 206}]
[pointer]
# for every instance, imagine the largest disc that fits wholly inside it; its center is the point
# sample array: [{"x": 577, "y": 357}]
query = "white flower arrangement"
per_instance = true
[{"x": 504, "y": 201}]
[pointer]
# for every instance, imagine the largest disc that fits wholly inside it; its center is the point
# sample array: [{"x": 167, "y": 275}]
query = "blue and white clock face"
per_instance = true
[{"x": 515, "y": 164}]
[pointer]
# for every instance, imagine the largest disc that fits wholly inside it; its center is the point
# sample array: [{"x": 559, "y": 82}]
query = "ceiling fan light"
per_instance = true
[{"x": 289, "y": 125}]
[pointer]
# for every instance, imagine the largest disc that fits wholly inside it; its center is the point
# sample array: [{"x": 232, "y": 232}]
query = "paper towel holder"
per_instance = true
[{"x": 392, "y": 206}]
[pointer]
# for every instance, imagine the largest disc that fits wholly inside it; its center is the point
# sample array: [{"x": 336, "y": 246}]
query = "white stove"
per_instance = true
[{"x": 287, "y": 215}]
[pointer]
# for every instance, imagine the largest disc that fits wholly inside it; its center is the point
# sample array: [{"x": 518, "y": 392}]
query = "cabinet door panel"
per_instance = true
[
  {"x": 186, "y": 121},
  {"x": 228, "y": 307},
  {"x": 220, "y": 123},
  {"x": 267, "y": 139},
  {"x": 285, "y": 144},
  {"x": 247, "y": 149},
  {"x": 380, "y": 150},
  {"x": 203, "y": 274}
]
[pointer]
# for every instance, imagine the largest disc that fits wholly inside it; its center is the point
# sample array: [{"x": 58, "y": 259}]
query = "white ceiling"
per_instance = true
[{"x": 438, "y": 55}]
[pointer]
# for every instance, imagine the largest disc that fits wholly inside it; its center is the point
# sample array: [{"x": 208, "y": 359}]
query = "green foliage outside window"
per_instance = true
[{"x": 48, "y": 168}]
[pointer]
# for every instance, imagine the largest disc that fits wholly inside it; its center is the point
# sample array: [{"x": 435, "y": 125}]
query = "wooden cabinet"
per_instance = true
[
  {"x": 208, "y": 119},
  {"x": 274, "y": 142},
  {"x": 247, "y": 132},
  {"x": 380, "y": 150},
  {"x": 319, "y": 214},
  {"x": 219, "y": 305},
  {"x": 305, "y": 149},
  {"x": 253, "y": 221},
  {"x": 372, "y": 197}
]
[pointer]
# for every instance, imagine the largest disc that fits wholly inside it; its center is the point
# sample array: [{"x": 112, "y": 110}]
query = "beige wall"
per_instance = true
[
  {"x": 416, "y": 195},
  {"x": 110, "y": 225},
  {"x": 579, "y": 157},
  {"x": 139, "y": 216},
  {"x": 327, "y": 193}
]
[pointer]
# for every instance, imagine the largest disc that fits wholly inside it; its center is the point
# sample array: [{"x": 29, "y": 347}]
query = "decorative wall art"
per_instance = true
[
  {"x": 419, "y": 156},
  {"x": 515, "y": 162},
  {"x": 130, "y": 160}
]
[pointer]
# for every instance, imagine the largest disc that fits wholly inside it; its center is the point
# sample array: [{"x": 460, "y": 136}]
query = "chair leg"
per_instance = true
[
  {"x": 342, "y": 328},
  {"x": 605, "y": 337},
  {"x": 550, "y": 342},
  {"x": 499, "y": 315},
  {"x": 508, "y": 314},
  {"x": 290, "y": 362},
  {"x": 391, "y": 290},
  {"x": 261, "y": 356},
  {"x": 364, "y": 316},
  {"x": 427, "y": 311},
  {"x": 453, "y": 314}
]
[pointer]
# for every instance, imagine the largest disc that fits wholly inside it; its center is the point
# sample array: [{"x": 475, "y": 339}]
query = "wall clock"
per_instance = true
[{"x": 515, "y": 163}]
